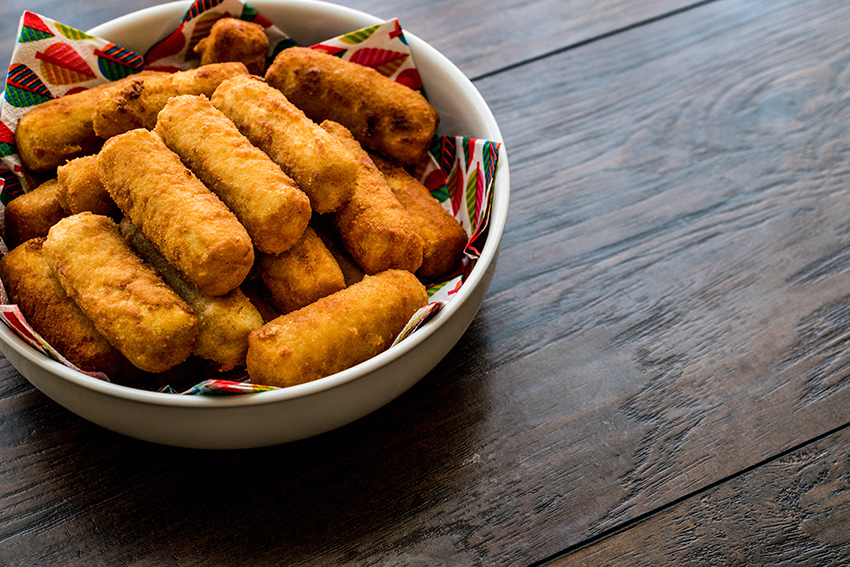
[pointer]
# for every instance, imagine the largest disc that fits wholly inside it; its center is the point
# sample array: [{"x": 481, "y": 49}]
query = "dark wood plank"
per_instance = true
[
  {"x": 479, "y": 36},
  {"x": 76, "y": 494},
  {"x": 670, "y": 308},
  {"x": 794, "y": 510},
  {"x": 673, "y": 301}
]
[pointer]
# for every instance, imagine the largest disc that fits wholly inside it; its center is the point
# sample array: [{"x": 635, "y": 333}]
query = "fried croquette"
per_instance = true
[
  {"x": 443, "y": 236},
  {"x": 31, "y": 214},
  {"x": 382, "y": 114},
  {"x": 266, "y": 201},
  {"x": 126, "y": 300},
  {"x": 223, "y": 322},
  {"x": 351, "y": 272},
  {"x": 335, "y": 332},
  {"x": 301, "y": 275},
  {"x": 373, "y": 226},
  {"x": 318, "y": 163},
  {"x": 189, "y": 225},
  {"x": 33, "y": 287},
  {"x": 259, "y": 298},
  {"x": 232, "y": 39},
  {"x": 62, "y": 128},
  {"x": 80, "y": 188},
  {"x": 135, "y": 103}
]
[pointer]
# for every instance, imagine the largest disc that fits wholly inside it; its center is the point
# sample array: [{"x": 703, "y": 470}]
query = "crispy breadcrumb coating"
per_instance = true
[
  {"x": 375, "y": 229},
  {"x": 224, "y": 322},
  {"x": 335, "y": 332},
  {"x": 382, "y": 114},
  {"x": 301, "y": 275},
  {"x": 135, "y": 103},
  {"x": 266, "y": 201},
  {"x": 189, "y": 225},
  {"x": 33, "y": 287},
  {"x": 443, "y": 236},
  {"x": 318, "y": 163},
  {"x": 31, "y": 214},
  {"x": 232, "y": 39},
  {"x": 128, "y": 302},
  {"x": 80, "y": 188},
  {"x": 62, "y": 128}
]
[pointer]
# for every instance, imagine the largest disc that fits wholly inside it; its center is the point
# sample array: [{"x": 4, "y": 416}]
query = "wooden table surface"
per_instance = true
[{"x": 659, "y": 375}]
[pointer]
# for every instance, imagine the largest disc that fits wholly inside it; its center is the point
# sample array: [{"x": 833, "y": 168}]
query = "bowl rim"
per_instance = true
[{"x": 495, "y": 230}]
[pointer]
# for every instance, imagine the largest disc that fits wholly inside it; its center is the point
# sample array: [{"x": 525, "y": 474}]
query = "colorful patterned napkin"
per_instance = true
[
  {"x": 12, "y": 316},
  {"x": 51, "y": 59},
  {"x": 381, "y": 47}
]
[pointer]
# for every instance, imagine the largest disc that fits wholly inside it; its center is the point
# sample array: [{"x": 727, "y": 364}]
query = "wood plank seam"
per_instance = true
[
  {"x": 594, "y": 39},
  {"x": 628, "y": 524}
]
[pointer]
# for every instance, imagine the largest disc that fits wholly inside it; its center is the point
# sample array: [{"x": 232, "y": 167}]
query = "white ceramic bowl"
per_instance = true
[{"x": 268, "y": 418}]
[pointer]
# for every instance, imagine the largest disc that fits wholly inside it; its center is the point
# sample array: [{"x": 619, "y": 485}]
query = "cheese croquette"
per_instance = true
[
  {"x": 34, "y": 288},
  {"x": 224, "y": 322},
  {"x": 301, "y": 275},
  {"x": 373, "y": 226},
  {"x": 382, "y": 114},
  {"x": 232, "y": 39},
  {"x": 443, "y": 237},
  {"x": 62, "y": 128},
  {"x": 30, "y": 215},
  {"x": 80, "y": 188},
  {"x": 318, "y": 163},
  {"x": 335, "y": 332},
  {"x": 126, "y": 300},
  {"x": 187, "y": 223},
  {"x": 351, "y": 272},
  {"x": 135, "y": 103},
  {"x": 266, "y": 201}
]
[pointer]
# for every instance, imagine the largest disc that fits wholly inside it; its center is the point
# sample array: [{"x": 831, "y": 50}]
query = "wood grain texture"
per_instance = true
[
  {"x": 670, "y": 308},
  {"x": 479, "y": 37},
  {"x": 688, "y": 300},
  {"x": 794, "y": 510},
  {"x": 483, "y": 37}
]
